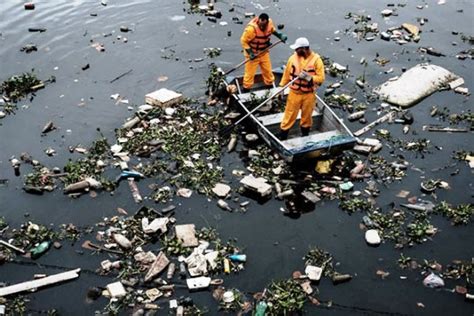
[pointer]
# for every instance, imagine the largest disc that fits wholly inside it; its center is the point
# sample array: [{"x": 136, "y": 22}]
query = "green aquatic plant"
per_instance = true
[
  {"x": 320, "y": 258},
  {"x": 355, "y": 204},
  {"x": 459, "y": 215},
  {"x": 285, "y": 297},
  {"x": 18, "y": 86}
]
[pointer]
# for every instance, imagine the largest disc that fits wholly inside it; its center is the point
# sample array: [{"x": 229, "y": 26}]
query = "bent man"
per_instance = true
[
  {"x": 256, "y": 38},
  {"x": 308, "y": 67}
]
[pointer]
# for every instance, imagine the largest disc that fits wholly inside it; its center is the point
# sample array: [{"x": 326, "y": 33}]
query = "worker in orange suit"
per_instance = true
[
  {"x": 308, "y": 68},
  {"x": 256, "y": 37}
]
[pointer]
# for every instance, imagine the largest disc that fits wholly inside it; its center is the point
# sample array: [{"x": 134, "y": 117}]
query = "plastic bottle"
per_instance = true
[
  {"x": 223, "y": 205},
  {"x": 170, "y": 272},
  {"x": 182, "y": 270},
  {"x": 238, "y": 257},
  {"x": 131, "y": 174},
  {"x": 261, "y": 308},
  {"x": 367, "y": 221},
  {"x": 40, "y": 249}
]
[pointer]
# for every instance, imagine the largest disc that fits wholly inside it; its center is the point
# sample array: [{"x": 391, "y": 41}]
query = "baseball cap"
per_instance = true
[{"x": 300, "y": 42}]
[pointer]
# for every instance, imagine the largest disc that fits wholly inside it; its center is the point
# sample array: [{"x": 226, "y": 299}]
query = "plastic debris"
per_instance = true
[
  {"x": 433, "y": 281},
  {"x": 198, "y": 283},
  {"x": 224, "y": 205},
  {"x": 416, "y": 83},
  {"x": 238, "y": 258},
  {"x": 259, "y": 185},
  {"x": 163, "y": 98},
  {"x": 187, "y": 235},
  {"x": 184, "y": 192},
  {"x": 40, "y": 249},
  {"x": 158, "y": 224},
  {"x": 116, "y": 289},
  {"x": 157, "y": 266},
  {"x": 232, "y": 143},
  {"x": 314, "y": 273},
  {"x": 134, "y": 189},
  {"x": 221, "y": 190},
  {"x": 372, "y": 237},
  {"x": 346, "y": 186}
]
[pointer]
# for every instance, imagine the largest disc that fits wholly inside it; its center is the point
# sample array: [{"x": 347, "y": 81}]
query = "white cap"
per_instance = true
[{"x": 300, "y": 42}]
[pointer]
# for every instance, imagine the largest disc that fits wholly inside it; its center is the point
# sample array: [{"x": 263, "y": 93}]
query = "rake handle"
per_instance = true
[
  {"x": 247, "y": 60},
  {"x": 230, "y": 127}
]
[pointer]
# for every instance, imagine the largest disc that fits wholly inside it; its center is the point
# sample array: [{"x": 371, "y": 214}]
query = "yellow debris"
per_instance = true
[{"x": 324, "y": 166}]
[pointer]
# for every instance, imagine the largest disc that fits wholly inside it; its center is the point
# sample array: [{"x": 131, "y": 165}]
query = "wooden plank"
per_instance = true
[
  {"x": 374, "y": 123},
  {"x": 6, "y": 244},
  {"x": 446, "y": 129},
  {"x": 29, "y": 285}
]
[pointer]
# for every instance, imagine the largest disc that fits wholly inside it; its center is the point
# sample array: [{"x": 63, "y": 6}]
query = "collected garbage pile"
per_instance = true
[
  {"x": 139, "y": 249},
  {"x": 131, "y": 241},
  {"x": 184, "y": 141},
  {"x": 176, "y": 142},
  {"x": 180, "y": 142}
]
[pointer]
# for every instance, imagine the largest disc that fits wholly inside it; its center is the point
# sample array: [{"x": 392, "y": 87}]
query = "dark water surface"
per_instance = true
[{"x": 80, "y": 102}]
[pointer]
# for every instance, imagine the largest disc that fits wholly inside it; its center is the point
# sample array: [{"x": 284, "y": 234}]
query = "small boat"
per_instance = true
[{"x": 328, "y": 135}]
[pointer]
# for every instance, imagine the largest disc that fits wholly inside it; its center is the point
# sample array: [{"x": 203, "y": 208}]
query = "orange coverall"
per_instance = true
[
  {"x": 301, "y": 99},
  {"x": 263, "y": 60}
]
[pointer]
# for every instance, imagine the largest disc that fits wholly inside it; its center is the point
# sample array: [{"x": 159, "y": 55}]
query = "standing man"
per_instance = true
[
  {"x": 256, "y": 37},
  {"x": 308, "y": 67}
]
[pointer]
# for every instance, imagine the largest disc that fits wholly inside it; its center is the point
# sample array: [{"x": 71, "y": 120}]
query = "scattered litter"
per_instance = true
[
  {"x": 157, "y": 266},
  {"x": 232, "y": 143},
  {"x": 29, "y": 6},
  {"x": 433, "y": 281},
  {"x": 403, "y": 194},
  {"x": 257, "y": 184},
  {"x": 414, "y": 84},
  {"x": 184, "y": 192},
  {"x": 187, "y": 234},
  {"x": 116, "y": 289},
  {"x": 198, "y": 283},
  {"x": 221, "y": 190},
  {"x": 224, "y": 205},
  {"x": 177, "y": 18},
  {"x": 314, "y": 273},
  {"x": 372, "y": 237},
  {"x": 163, "y": 98}
]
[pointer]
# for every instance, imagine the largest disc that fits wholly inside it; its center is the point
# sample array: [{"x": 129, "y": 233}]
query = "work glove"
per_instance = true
[
  {"x": 251, "y": 54},
  {"x": 305, "y": 76},
  {"x": 281, "y": 36}
]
